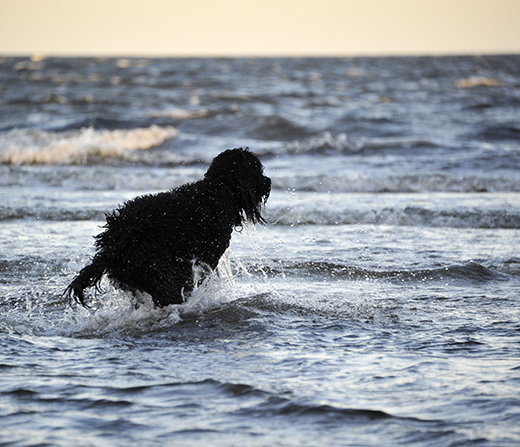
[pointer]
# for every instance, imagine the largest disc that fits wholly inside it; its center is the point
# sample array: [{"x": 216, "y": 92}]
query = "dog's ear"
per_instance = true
[{"x": 242, "y": 172}]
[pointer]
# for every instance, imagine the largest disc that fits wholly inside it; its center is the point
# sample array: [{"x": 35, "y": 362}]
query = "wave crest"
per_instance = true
[
  {"x": 20, "y": 147},
  {"x": 332, "y": 213},
  {"x": 341, "y": 143}
]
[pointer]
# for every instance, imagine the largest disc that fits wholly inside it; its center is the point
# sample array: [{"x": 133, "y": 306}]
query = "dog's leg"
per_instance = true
[
  {"x": 167, "y": 284},
  {"x": 88, "y": 276}
]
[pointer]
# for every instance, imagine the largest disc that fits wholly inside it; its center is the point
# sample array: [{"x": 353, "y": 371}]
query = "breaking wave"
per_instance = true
[
  {"x": 22, "y": 147},
  {"x": 407, "y": 216}
]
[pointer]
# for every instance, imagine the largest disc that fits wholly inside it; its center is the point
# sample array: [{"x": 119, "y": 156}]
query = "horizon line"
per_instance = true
[{"x": 41, "y": 55}]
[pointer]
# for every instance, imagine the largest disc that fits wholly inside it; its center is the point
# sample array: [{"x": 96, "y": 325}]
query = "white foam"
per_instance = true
[
  {"x": 218, "y": 288},
  {"x": 22, "y": 146},
  {"x": 115, "y": 312},
  {"x": 180, "y": 114}
]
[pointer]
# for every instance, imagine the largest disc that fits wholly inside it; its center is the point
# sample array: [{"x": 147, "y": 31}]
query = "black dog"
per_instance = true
[{"x": 152, "y": 242}]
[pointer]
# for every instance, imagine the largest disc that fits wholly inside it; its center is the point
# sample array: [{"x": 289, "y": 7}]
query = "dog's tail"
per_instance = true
[{"x": 88, "y": 276}]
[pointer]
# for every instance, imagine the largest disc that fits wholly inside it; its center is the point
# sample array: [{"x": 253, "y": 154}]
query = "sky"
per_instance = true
[{"x": 258, "y": 27}]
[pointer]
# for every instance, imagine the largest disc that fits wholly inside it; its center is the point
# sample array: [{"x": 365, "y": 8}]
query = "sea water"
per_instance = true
[{"x": 378, "y": 306}]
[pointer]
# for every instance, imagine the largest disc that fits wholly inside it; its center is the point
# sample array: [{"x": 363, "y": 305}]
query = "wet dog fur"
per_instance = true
[{"x": 151, "y": 243}]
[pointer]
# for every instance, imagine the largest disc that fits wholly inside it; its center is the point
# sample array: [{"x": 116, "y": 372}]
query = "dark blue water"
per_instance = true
[{"x": 379, "y": 306}]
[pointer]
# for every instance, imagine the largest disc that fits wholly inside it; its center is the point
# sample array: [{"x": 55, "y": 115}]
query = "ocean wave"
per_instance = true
[
  {"x": 466, "y": 210},
  {"x": 341, "y": 143},
  {"x": 50, "y": 214},
  {"x": 471, "y": 271},
  {"x": 98, "y": 178},
  {"x": 417, "y": 216},
  {"x": 478, "y": 81},
  {"x": 154, "y": 172},
  {"x": 182, "y": 114},
  {"x": 500, "y": 132},
  {"x": 275, "y": 127},
  {"x": 306, "y": 412},
  {"x": 397, "y": 183},
  {"x": 24, "y": 146}
]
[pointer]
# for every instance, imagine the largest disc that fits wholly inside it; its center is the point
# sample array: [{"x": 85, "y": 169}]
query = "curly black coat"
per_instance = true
[{"x": 151, "y": 243}]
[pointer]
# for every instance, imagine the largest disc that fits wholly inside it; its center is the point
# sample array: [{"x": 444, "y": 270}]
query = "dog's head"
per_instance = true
[{"x": 241, "y": 171}]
